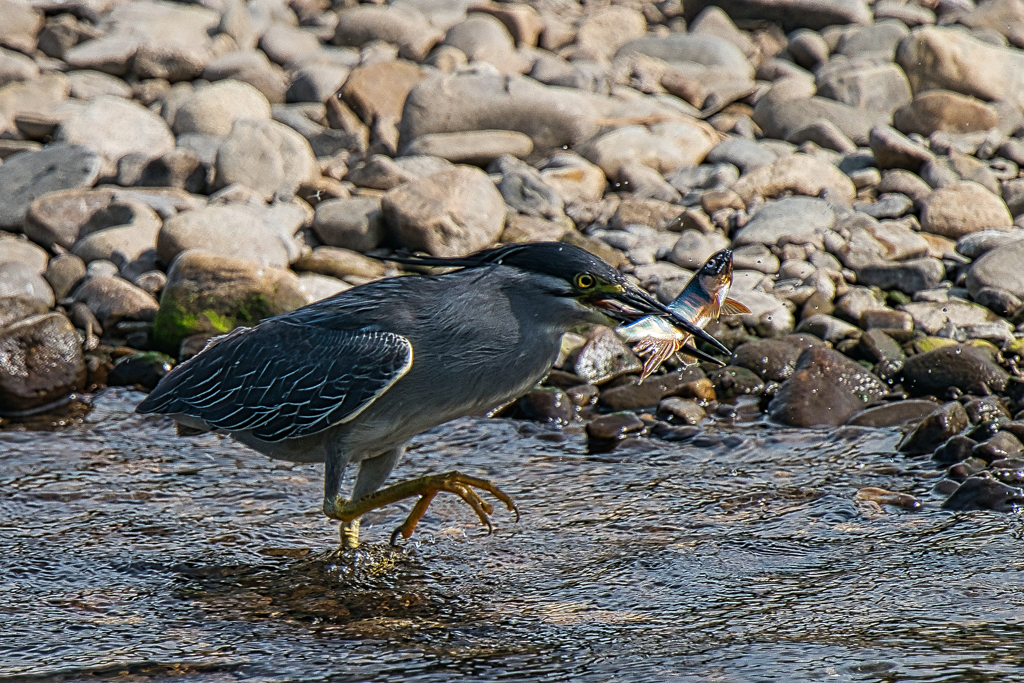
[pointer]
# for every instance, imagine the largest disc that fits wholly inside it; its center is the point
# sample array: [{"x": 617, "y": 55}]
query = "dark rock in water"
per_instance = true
[
  {"x": 985, "y": 409},
  {"x": 957, "y": 449},
  {"x": 1015, "y": 427},
  {"x": 880, "y": 347},
  {"x": 985, "y": 492},
  {"x": 969, "y": 467},
  {"x": 548, "y": 404},
  {"x": 685, "y": 410},
  {"x": 1000, "y": 447},
  {"x": 966, "y": 368},
  {"x": 615, "y": 426},
  {"x": 16, "y": 308},
  {"x": 883, "y": 497},
  {"x": 893, "y": 414},
  {"x": 731, "y": 382},
  {"x": 1009, "y": 471},
  {"x": 826, "y": 389},
  {"x": 770, "y": 359},
  {"x": 987, "y": 429},
  {"x": 1015, "y": 389},
  {"x": 948, "y": 421},
  {"x": 563, "y": 380},
  {"x": 40, "y": 362},
  {"x": 667, "y": 432},
  {"x": 583, "y": 395},
  {"x": 652, "y": 390},
  {"x": 140, "y": 369}
]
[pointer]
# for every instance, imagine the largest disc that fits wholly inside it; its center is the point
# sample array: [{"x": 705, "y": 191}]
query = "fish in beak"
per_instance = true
[{"x": 704, "y": 298}]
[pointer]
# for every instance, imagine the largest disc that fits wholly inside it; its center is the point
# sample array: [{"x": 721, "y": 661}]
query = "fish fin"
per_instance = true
[
  {"x": 657, "y": 351},
  {"x": 733, "y": 307}
]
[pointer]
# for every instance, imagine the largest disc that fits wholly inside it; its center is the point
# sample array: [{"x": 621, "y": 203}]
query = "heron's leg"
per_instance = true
[
  {"x": 426, "y": 488},
  {"x": 372, "y": 474},
  {"x": 334, "y": 468}
]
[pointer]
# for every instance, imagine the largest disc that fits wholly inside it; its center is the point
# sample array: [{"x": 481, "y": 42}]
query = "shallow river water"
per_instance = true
[{"x": 127, "y": 553}]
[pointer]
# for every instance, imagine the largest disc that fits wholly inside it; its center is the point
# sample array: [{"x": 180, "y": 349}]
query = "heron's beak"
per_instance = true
[{"x": 641, "y": 301}]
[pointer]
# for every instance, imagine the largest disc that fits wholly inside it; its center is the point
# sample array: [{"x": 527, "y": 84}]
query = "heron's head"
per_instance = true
[{"x": 565, "y": 273}]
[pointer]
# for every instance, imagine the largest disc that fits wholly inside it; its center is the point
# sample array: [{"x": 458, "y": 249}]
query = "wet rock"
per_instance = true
[
  {"x": 267, "y": 157},
  {"x": 999, "y": 268},
  {"x": 144, "y": 370},
  {"x": 800, "y": 174},
  {"x": 883, "y": 497},
  {"x": 961, "y": 471},
  {"x": 213, "y": 109},
  {"x": 450, "y": 213},
  {"x": 211, "y": 294},
  {"x": 770, "y": 359},
  {"x": 941, "y": 110},
  {"x": 685, "y": 410},
  {"x": 648, "y": 394},
  {"x": 341, "y": 264},
  {"x": 22, "y": 279},
  {"x": 583, "y": 395},
  {"x": 826, "y": 388},
  {"x": 112, "y": 299},
  {"x": 42, "y": 361},
  {"x": 963, "y": 208},
  {"x": 937, "y": 428},
  {"x": 893, "y": 414},
  {"x": 984, "y": 492},
  {"x": 733, "y": 382},
  {"x": 1001, "y": 446},
  {"x": 1010, "y": 471},
  {"x": 615, "y": 426},
  {"x": 985, "y": 408},
  {"x": 963, "y": 367},
  {"x": 27, "y": 176},
  {"x": 905, "y": 276},
  {"x": 548, "y": 404},
  {"x": 401, "y": 26},
  {"x": 260, "y": 235},
  {"x": 828, "y": 328},
  {"x": 956, "y": 449}
]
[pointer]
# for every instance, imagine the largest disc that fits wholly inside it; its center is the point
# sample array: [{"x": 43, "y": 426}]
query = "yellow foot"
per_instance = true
[{"x": 426, "y": 488}]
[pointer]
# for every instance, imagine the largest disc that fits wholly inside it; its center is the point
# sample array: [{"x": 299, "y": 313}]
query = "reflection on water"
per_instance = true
[{"x": 130, "y": 554}]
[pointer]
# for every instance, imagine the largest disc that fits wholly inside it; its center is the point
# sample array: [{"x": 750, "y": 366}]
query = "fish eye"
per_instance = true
[{"x": 584, "y": 281}]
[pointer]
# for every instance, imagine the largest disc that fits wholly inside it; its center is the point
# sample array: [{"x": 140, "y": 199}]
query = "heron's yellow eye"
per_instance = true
[{"x": 585, "y": 281}]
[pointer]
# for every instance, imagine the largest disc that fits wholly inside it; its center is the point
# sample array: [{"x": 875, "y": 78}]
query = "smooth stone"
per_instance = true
[
  {"x": 483, "y": 38},
  {"x": 893, "y": 414},
  {"x": 901, "y": 181},
  {"x": 575, "y": 179},
  {"x": 796, "y": 220},
  {"x": 27, "y": 176},
  {"x": 401, "y": 26},
  {"x": 768, "y": 315},
  {"x": 864, "y": 83},
  {"x": 1000, "y": 447},
  {"x": 317, "y": 287},
  {"x": 825, "y": 389},
  {"x": 684, "y": 410},
  {"x": 984, "y": 492},
  {"x": 615, "y": 426},
  {"x": 525, "y": 24},
  {"x": 478, "y": 148},
  {"x": 664, "y": 147},
  {"x": 827, "y": 328},
  {"x": 963, "y": 208},
  {"x": 113, "y": 127},
  {"x": 43, "y": 362},
  {"x": 893, "y": 150},
  {"x": 604, "y": 357},
  {"x": 210, "y": 294},
  {"x": 790, "y": 14},
  {"x": 782, "y": 113},
  {"x": 112, "y": 300},
  {"x": 341, "y": 264},
  {"x": 120, "y": 232},
  {"x": 606, "y": 30},
  {"x": 956, "y": 449},
  {"x": 884, "y": 497},
  {"x": 377, "y": 92},
  {"x": 693, "y": 248},
  {"x": 799, "y": 174},
  {"x": 355, "y": 223},
  {"x": 733, "y": 382},
  {"x": 450, "y": 213},
  {"x": 905, "y": 276},
  {"x": 747, "y": 155},
  {"x": 888, "y": 205},
  {"x": 524, "y": 190},
  {"x": 937, "y": 428},
  {"x": 64, "y": 273},
  {"x": 213, "y": 109},
  {"x": 650, "y": 392},
  {"x": 943, "y": 110},
  {"x": 259, "y": 235},
  {"x": 932, "y": 317},
  {"x": 999, "y": 267},
  {"x": 14, "y": 249},
  {"x": 16, "y": 308},
  {"x": 266, "y": 156},
  {"x": 548, "y": 404},
  {"x": 963, "y": 367},
  {"x": 701, "y": 49},
  {"x": 23, "y": 279},
  {"x": 772, "y": 360},
  {"x": 316, "y": 82}
]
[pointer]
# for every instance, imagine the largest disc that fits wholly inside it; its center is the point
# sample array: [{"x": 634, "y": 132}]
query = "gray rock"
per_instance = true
[
  {"x": 931, "y": 317},
  {"x": 633, "y": 395},
  {"x": 984, "y": 492},
  {"x": 781, "y": 117},
  {"x": 478, "y": 148},
  {"x": 401, "y": 26},
  {"x": 548, "y": 404},
  {"x": 977, "y": 244},
  {"x": 27, "y": 176},
  {"x": 746, "y": 155},
  {"x": 524, "y": 189},
  {"x": 23, "y": 279},
  {"x": 355, "y": 223},
  {"x": 888, "y": 205},
  {"x": 1000, "y": 447},
  {"x": 963, "y": 208},
  {"x": 213, "y": 109},
  {"x": 770, "y": 359},
  {"x": 800, "y": 174},
  {"x": 892, "y": 149},
  {"x": 14, "y": 309},
  {"x": 898, "y": 180},
  {"x": 43, "y": 362},
  {"x": 112, "y": 300},
  {"x": 705, "y": 50},
  {"x": 64, "y": 273},
  {"x": 88, "y": 85},
  {"x": 826, "y": 327},
  {"x": 484, "y": 38},
  {"x": 693, "y": 248},
  {"x": 864, "y": 83},
  {"x": 878, "y": 40},
  {"x": 267, "y": 157},
  {"x": 316, "y": 82},
  {"x": 942, "y": 424},
  {"x": 342, "y": 264},
  {"x": 113, "y": 127},
  {"x": 941, "y": 110},
  {"x": 964, "y": 367},
  {"x": 615, "y": 426},
  {"x": 999, "y": 268},
  {"x": 286, "y": 45},
  {"x": 684, "y": 410},
  {"x": 826, "y": 389},
  {"x": 450, "y": 213},
  {"x": 604, "y": 357},
  {"x": 797, "y": 220},
  {"x": 905, "y": 276},
  {"x": 21, "y": 23},
  {"x": 792, "y": 14},
  {"x": 893, "y": 414},
  {"x": 23, "y": 251},
  {"x": 259, "y": 235}
]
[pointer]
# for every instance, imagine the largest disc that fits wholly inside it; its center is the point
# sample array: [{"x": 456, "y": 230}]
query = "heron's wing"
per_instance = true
[{"x": 284, "y": 381}]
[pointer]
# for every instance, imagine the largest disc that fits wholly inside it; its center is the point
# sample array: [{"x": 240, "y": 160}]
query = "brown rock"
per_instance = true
[
  {"x": 378, "y": 90},
  {"x": 946, "y": 111},
  {"x": 960, "y": 209},
  {"x": 42, "y": 361}
]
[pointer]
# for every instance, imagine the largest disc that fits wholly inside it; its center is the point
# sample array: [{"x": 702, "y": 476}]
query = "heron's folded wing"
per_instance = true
[{"x": 283, "y": 380}]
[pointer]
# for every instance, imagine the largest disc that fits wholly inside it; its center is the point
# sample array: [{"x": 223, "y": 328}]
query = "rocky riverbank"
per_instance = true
[{"x": 171, "y": 171}]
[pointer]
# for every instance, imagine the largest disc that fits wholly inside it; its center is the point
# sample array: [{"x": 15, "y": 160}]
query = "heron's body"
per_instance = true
[{"x": 353, "y": 377}]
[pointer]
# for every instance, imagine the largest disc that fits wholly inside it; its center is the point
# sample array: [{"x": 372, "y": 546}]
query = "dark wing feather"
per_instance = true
[{"x": 283, "y": 380}]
